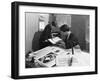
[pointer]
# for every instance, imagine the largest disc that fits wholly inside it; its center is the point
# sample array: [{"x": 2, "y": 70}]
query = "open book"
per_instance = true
[{"x": 54, "y": 40}]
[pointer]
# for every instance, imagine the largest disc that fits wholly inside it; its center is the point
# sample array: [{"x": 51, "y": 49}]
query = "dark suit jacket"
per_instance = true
[
  {"x": 71, "y": 41},
  {"x": 46, "y": 34}
]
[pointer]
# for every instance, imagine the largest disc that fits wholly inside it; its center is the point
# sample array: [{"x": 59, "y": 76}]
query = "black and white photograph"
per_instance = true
[{"x": 53, "y": 40}]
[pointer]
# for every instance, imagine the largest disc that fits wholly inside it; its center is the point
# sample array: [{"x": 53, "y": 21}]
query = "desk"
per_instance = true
[{"x": 79, "y": 58}]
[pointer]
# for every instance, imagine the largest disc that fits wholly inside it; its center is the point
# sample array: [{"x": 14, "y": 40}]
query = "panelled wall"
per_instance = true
[{"x": 80, "y": 27}]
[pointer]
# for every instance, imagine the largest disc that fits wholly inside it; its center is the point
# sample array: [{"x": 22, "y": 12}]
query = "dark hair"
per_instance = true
[
  {"x": 53, "y": 24},
  {"x": 64, "y": 28}
]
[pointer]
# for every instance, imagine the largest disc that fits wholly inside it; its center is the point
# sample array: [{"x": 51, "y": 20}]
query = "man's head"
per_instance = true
[{"x": 64, "y": 29}]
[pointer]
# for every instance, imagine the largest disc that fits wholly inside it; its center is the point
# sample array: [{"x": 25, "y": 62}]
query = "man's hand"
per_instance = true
[
  {"x": 61, "y": 44},
  {"x": 77, "y": 47}
]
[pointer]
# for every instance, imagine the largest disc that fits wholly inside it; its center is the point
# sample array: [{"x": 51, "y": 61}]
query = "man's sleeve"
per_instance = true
[{"x": 71, "y": 42}]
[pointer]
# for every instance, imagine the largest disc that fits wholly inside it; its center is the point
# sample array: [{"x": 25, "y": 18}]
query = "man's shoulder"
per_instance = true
[{"x": 72, "y": 36}]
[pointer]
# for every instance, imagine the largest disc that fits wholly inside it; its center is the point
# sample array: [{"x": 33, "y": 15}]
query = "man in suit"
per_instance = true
[
  {"x": 47, "y": 34},
  {"x": 69, "y": 39}
]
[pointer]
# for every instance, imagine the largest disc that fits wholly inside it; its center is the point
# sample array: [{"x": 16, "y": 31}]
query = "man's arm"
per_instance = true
[{"x": 71, "y": 42}]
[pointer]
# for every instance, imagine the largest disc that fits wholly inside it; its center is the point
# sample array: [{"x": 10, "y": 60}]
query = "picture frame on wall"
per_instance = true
[{"x": 52, "y": 40}]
